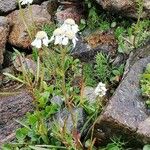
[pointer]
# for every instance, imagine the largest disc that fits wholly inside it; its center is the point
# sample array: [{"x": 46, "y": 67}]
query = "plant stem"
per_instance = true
[
  {"x": 63, "y": 55},
  {"x": 24, "y": 21}
]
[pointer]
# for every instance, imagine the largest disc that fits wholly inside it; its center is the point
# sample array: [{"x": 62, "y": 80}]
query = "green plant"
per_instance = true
[
  {"x": 145, "y": 84},
  {"x": 116, "y": 144},
  {"x": 49, "y": 28},
  {"x": 146, "y": 147},
  {"x": 102, "y": 67},
  {"x": 102, "y": 71},
  {"x": 88, "y": 73}
]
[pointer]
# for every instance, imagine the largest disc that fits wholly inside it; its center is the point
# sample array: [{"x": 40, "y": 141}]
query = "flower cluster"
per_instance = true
[
  {"x": 100, "y": 90},
  {"x": 62, "y": 35},
  {"x": 65, "y": 33},
  {"x": 25, "y": 2}
]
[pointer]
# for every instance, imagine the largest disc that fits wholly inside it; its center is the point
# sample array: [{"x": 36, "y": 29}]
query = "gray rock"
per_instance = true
[
  {"x": 19, "y": 36},
  {"x": 6, "y": 6},
  {"x": 126, "y": 112},
  {"x": 4, "y": 31},
  {"x": 65, "y": 116},
  {"x": 139, "y": 53},
  {"x": 13, "y": 106},
  {"x": 143, "y": 130},
  {"x": 126, "y": 7},
  {"x": 57, "y": 100},
  {"x": 88, "y": 93}
]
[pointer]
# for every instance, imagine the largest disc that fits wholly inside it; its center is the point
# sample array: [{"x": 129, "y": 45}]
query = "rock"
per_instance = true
[
  {"x": 126, "y": 7},
  {"x": 57, "y": 100},
  {"x": 51, "y": 7},
  {"x": 70, "y": 10},
  {"x": 19, "y": 36},
  {"x": 87, "y": 48},
  {"x": 126, "y": 112},
  {"x": 13, "y": 106},
  {"x": 88, "y": 93},
  {"x": 143, "y": 130},
  {"x": 4, "y": 31},
  {"x": 6, "y": 6},
  {"x": 133, "y": 57},
  {"x": 64, "y": 116}
]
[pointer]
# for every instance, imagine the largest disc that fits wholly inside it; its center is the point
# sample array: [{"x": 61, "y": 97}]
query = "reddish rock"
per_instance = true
[
  {"x": 72, "y": 10},
  {"x": 4, "y": 31},
  {"x": 19, "y": 36},
  {"x": 87, "y": 48}
]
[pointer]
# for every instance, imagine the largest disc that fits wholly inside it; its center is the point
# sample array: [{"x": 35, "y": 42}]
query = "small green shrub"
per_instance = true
[
  {"x": 116, "y": 144},
  {"x": 102, "y": 71},
  {"x": 145, "y": 84}
]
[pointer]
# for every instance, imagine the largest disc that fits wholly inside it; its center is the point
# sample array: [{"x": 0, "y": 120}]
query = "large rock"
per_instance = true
[
  {"x": 6, "y": 6},
  {"x": 126, "y": 112},
  {"x": 70, "y": 9},
  {"x": 13, "y": 106},
  {"x": 87, "y": 48},
  {"x": 4, "y": 31},
  {"x": 19, "y": 36},
  {"x": 126, "y": 7}
]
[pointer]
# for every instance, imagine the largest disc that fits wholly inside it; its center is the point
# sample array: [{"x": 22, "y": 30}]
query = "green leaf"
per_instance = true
[
  {"x": 116, "y": 72},
  {"x": 52, "y": 109},
  {"x": 146, "y": 147},
  {"x": 6, "y": 147},
  {"x": 13, "y": 77},
  {"x": 146, "y": 76},
  {"x": 32, "y": 119},
  {"x": 21, "y": 134},
  {"x": 112, "y": 146}
]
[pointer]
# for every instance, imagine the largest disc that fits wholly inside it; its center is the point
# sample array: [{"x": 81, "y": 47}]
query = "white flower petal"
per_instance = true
[
  {"x": 100, "y": 90},
  {"x": 74, "y": 42},
  {"x": 24, "y": 2},
  {"x": 37, "y": 43},
  {"x": 46, "y": 41},
  {"x": 58, "y": 40},
  {"x": 75, "y": 28},
  {"x": 65, "y": 41},
  {"x": 65, "y": 27},
  {"x": 52, "y": 38}
]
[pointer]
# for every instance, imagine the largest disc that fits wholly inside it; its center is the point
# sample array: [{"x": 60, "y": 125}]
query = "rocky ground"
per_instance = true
[{"x": 125, "y": 112}]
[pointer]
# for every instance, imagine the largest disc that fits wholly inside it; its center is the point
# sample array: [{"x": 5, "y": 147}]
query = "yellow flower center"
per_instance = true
[
  {"x": 58, "y": 31},
  {"x": 41, "y": 34},
  {"x": 69, "y": 21},
  {"x": 70, "y": 35}
]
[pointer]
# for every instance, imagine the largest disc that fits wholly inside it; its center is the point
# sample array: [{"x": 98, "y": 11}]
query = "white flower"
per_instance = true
[
  {"x": 70, "y": 25},
  {"x": 69, "y": 36},
  {"x": 40, "y": 38},
  {"x": 61, "y": 37},
  {"x": 24, "y": 2},
  {"x": 57, "y": 36},
  {"x": 100, "y": 90}
]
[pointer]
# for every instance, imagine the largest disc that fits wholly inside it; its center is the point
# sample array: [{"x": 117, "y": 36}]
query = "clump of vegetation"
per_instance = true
[
  {"x": 116, "y": 144},
  {"x": 145, "y": 85},
  {"x": 102, "y": 71},
  {"x": 129, "y": 34},
  {"x": 57, "y": 73}
]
